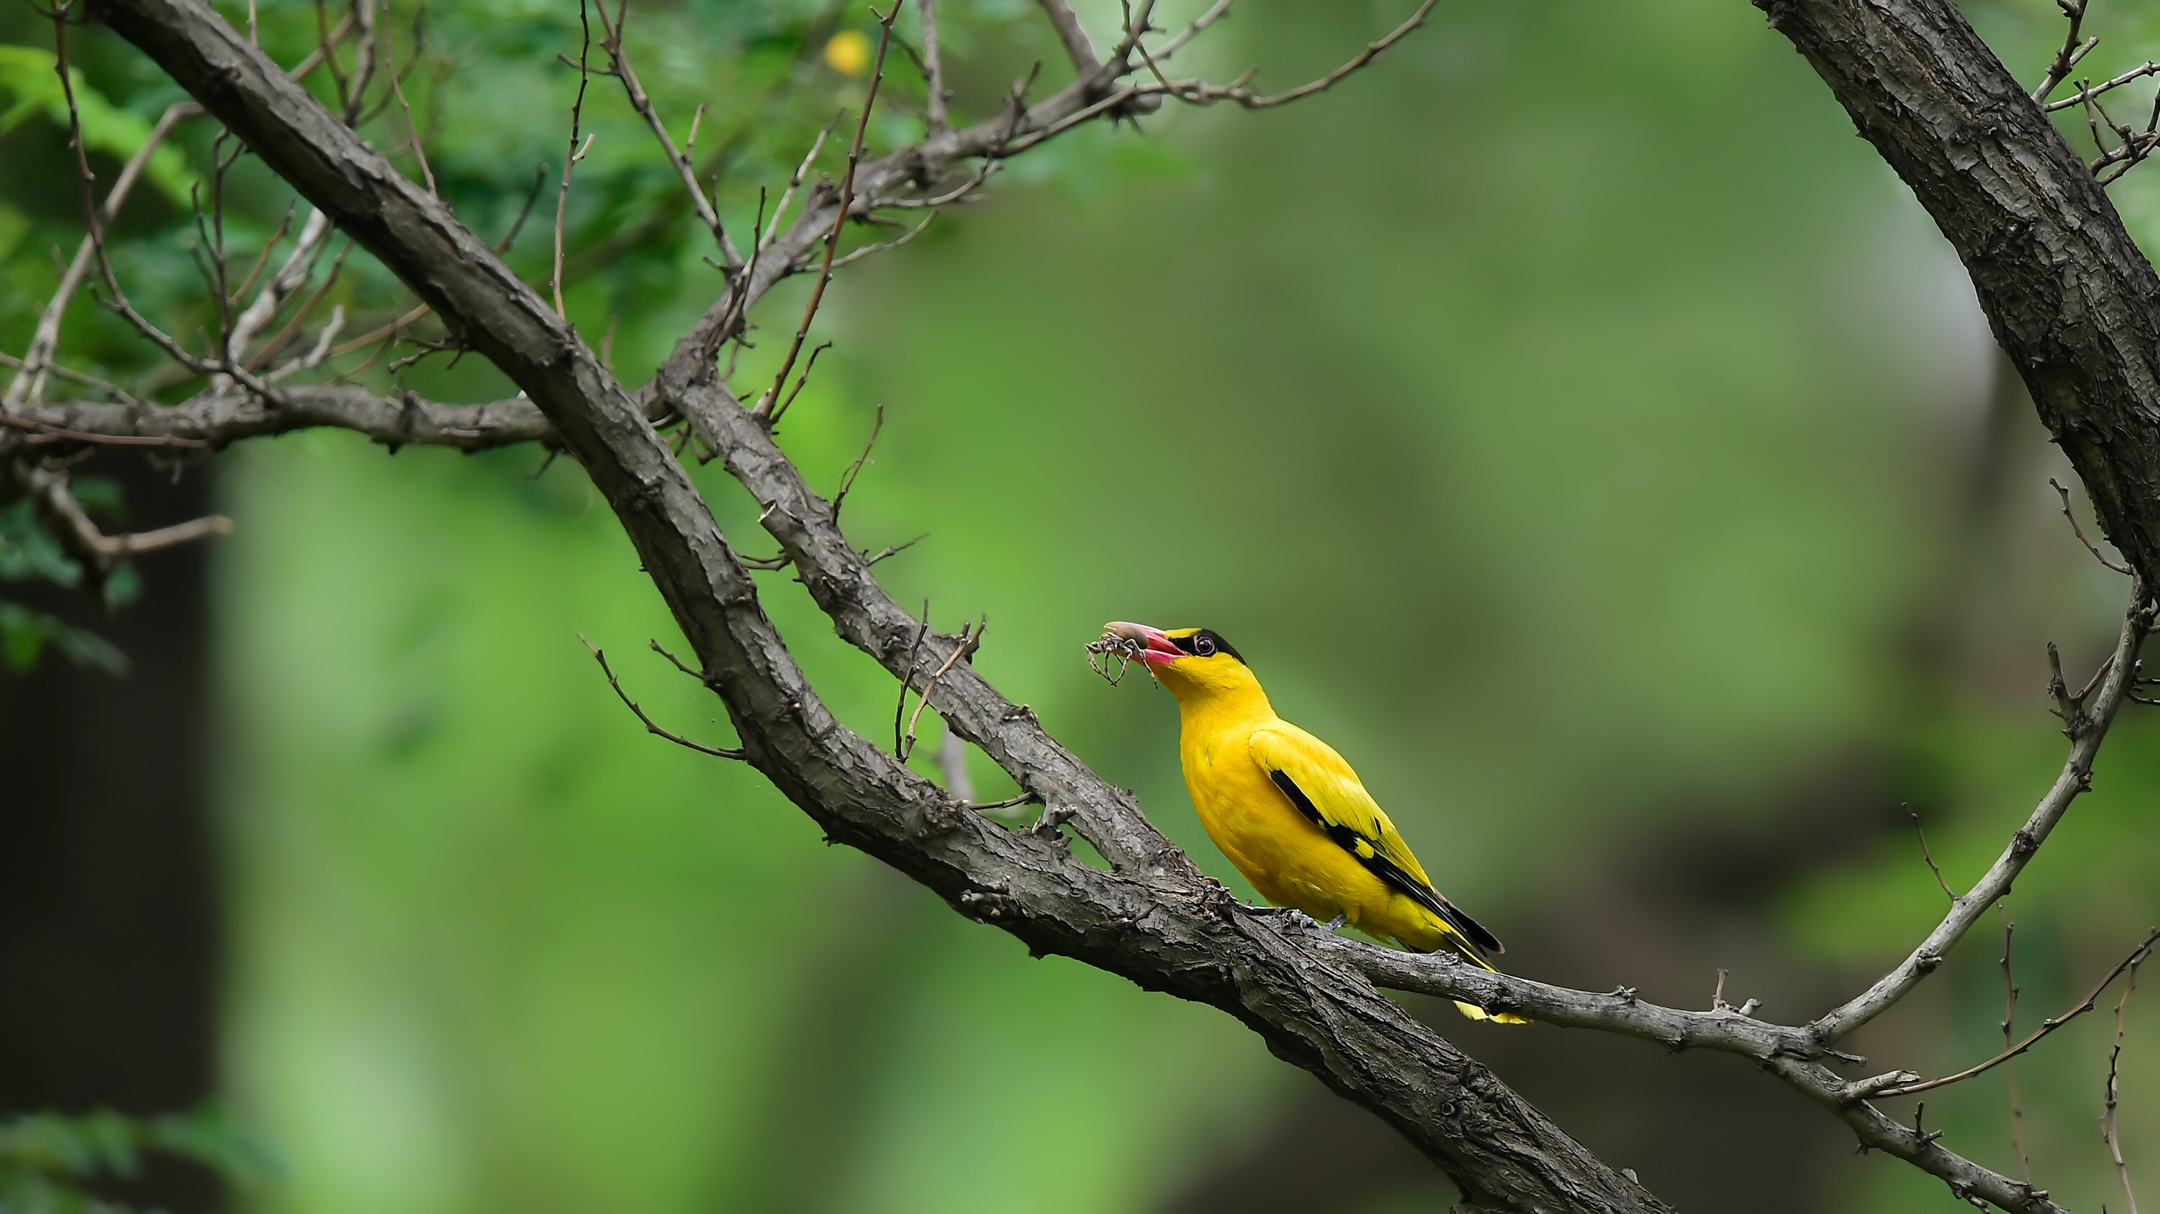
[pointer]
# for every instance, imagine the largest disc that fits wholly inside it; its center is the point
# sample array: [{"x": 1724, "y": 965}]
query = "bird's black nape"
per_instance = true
[{"x": 1206, "y": 643}]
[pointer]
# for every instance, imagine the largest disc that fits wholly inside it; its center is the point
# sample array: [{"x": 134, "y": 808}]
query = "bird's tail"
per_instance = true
[{"x": 1472, "y": 1010}]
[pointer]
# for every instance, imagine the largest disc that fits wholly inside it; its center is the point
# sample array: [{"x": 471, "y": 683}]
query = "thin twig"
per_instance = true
[
  {"x": 2075, "y": 778},
  {"x": 397, "y": 87},
  {"x": 847, "y": 480},
  {"x": 872, "y": 250},
  {"x": 739, "y": 291},
  {"x": 619, "y": 63},
  {"x": 2090, "y": 91},
  {"x": 2108, "y": 1128},
  {"x": 678, "y": 663},
  {"x": 795, "y": 182},
  {"x": 908, "y": 677},
  {"x": 573, "y": 154},
  {"x": 1214, "y": 13},
  {"x": 2137, "y": 956},
  {"x": 2073, "y": 49},
  {"x": 73, "y": 376},
  {"x": 67, "y": 522},
  {"x": 2079, "y": 531},
  {"x": 119, "y": 301},
  {"x": 969, "y": 643},
  {"x": 29, "y": 383},
  {"x": 891, "y": 550},
  {"x": 769, "y": 404},
  {"x": 802, "y": 383},
  {"x": 934, "y": 71},
  {"x": 2010, "y": 998},
  {"x": 717, "y": 752},
  {"x": 262, "y": 259},
  {"x": 1928, "y": 856},
  {"x": 1202, "y": 93},
  {"x": 364, "y": 57}
]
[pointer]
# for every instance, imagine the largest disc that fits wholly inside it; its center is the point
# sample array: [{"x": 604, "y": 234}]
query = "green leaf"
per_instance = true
[
  {"x": 45, "y": 1157},
  {"x": 27, "y": 74},
  {"x": 28, "y": 553},
  {"x": 24, "y": 634}
]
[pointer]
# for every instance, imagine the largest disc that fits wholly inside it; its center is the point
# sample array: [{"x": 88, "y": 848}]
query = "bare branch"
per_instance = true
[
  {"x": 1214, "y": 12},
  {"x": 2073, "y": 49},
  {"x": 1966, "y": 910},
  {"x": 2009, "y": 1020},
  {"x": 29, "y": 380},
  {"x": 220, "y": 418},
  {"x": 795, "y": 182},
  {"x": 2108, "y": 1129},
  {"x": 91, "y": 216},
  {"x": 571, "y": 155},
  {"x": 969, "y": 643},
  {"x": 872, "y": 250},
  {"x": 770, "y": 405},
  {"x": 1203, "y": 94},
  {"x": 1075, "y": 40},
  {"x": 397, "y": 88},
  {"x": 2079, "y": 531},
  {"x": 2137, "y": 955},
  {"x": 890, "y": 180},
  {"x": 69, "y": 375},
  {"x": 619, "y": 66},
  {"x": 1929, "y": 856},
  {"x": 99, "y": 553},
  {"x": 2091, "y": 91},
  {"x": 36, "y": 364},
  {"x": 717, "y": 752},
  {"x": 294, "y": 274},
  {"x": 933, "y": 74},
  {"x": 847, "y": 480}
]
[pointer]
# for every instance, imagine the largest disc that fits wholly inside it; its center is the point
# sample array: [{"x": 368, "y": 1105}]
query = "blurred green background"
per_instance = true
[{"x": 1569, "y": 418}]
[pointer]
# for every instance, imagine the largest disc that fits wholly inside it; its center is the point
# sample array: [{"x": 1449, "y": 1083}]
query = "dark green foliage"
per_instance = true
[{"x": 54, "y": 1164}]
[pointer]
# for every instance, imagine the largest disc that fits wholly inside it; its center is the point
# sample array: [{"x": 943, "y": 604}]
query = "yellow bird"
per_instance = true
[{"x": 1289, "y": 812}]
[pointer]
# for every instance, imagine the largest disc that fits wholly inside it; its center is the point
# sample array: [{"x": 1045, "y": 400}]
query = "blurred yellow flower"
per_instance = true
[{"x": 848, "y": 53}]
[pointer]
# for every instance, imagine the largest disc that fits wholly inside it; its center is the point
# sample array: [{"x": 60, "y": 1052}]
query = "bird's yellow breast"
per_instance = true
[{"x": 1288, "y": 858}]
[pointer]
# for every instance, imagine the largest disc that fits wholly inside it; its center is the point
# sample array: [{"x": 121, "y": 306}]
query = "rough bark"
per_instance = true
[
  {"x": 2068, "y": 294},
  {"x": 1158, "y": 924},
  {"x": 217, "y": 419}
]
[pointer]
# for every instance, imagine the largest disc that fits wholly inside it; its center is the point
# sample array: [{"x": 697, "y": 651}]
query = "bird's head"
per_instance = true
[{"x": 1194, "y": 663}]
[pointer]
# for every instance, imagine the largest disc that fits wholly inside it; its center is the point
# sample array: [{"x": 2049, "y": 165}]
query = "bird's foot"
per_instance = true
[
  {"x": 1289, "y": 914},
  {"x": 1299, "y": 919}
]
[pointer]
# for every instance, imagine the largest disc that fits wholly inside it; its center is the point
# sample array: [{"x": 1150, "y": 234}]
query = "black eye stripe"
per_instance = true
[{"x": 1206, "y": 642}]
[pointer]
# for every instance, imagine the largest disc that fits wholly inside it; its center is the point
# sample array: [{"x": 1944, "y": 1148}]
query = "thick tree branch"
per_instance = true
[
  {"x": 838, "y": 578},
  {"x": 1167, "y": 932},
  {"x": 218, "y": 419},
  {"x": 2067, "y": 292}
]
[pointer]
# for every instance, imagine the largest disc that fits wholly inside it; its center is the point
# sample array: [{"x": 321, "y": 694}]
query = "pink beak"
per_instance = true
[{"x": 1155, "y": 648}]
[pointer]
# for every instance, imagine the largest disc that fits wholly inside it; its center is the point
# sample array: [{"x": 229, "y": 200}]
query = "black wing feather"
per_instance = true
[{"x": 1385, "y": 869}]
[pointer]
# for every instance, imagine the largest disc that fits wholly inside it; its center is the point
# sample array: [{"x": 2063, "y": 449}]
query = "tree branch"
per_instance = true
[
  {"x": 221, "y": 418},
  {"x": 890, "y": 180},
  {"x": 2087, "y": 728},
  {"x": 2066, "y": 291},
  {"x": 1165, "y": 930}
]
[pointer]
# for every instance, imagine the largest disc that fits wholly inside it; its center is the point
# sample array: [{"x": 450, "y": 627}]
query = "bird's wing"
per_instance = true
[{"x": 1324, "y": 789}]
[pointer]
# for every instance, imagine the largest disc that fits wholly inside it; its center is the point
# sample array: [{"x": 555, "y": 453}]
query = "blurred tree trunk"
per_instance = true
[{"x": 109, "y": 922}]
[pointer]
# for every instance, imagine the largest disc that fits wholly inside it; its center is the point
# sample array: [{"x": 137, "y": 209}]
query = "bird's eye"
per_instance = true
[{"x": 1204, "y": 645}]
